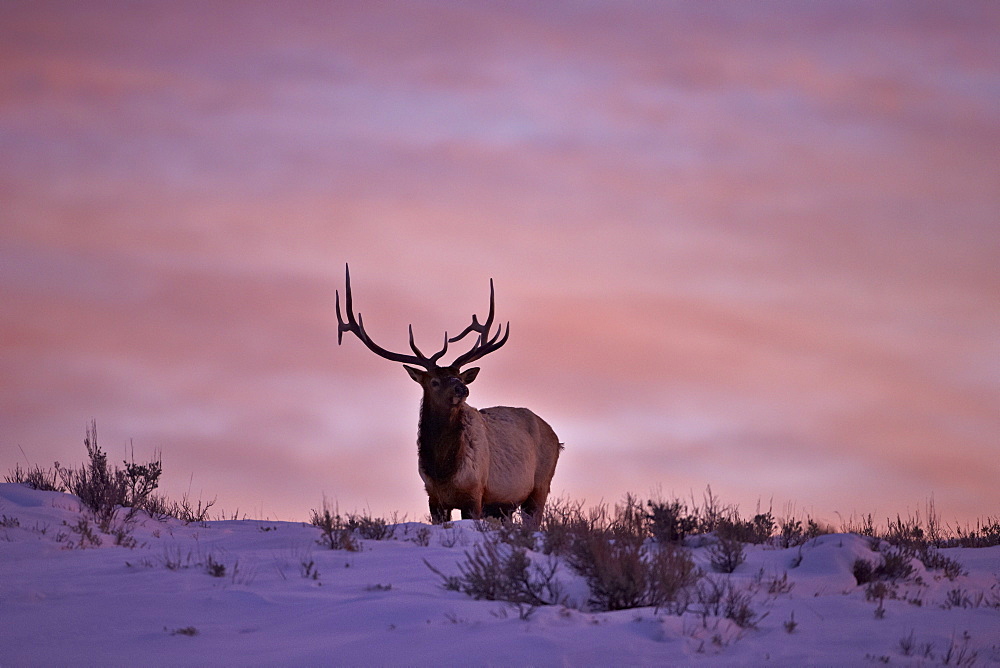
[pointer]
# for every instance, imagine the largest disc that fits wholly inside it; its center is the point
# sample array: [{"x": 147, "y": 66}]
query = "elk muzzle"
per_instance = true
[{"x": 459, "y": 391}]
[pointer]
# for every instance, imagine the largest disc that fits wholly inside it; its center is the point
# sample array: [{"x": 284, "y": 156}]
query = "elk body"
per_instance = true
[{"x": 488, "y": 461}]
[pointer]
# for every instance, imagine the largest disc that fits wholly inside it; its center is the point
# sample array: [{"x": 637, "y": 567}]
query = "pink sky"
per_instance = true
[{"x": 740, "y": 245}]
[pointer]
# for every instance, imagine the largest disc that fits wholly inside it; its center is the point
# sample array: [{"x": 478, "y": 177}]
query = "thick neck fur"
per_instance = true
[{"x": 439, "y": 441}]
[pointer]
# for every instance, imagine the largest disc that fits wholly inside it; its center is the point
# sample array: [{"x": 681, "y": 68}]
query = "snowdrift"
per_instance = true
[{"x": 159, "y": 592}]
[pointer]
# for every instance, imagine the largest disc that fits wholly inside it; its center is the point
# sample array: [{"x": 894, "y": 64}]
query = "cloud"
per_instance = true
[{"x": 749, "y": 249}]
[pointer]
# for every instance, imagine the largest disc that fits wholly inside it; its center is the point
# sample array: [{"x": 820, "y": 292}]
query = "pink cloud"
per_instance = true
[{"x": 749, "y": 249}]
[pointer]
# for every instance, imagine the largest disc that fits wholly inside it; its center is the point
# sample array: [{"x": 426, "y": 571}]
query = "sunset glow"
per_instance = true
[{"x": 752, "y": 246}]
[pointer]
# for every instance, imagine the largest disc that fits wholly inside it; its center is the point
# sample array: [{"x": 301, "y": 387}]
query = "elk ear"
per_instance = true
[
  {"x": 469, "y": 375},
  {"x": 416, "y": 374}
]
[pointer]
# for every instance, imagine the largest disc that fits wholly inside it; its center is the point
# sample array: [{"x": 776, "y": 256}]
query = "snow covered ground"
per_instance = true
[{"x": 257, "y": 592}]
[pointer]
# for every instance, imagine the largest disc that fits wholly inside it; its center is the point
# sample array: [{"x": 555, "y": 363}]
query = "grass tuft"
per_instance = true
[{"x": 334, "y": 529}]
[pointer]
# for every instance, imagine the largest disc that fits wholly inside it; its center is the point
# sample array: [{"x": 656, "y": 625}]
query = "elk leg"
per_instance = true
[
  {"x": 439, "y": 513},
  {"x": 532, "y": 508},
  {"x": 502, "y": 511},
  {"x": 473, "y": 511}
]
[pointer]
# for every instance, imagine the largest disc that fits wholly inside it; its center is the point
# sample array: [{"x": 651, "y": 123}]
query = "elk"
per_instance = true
[{"x": 488, "y": 461}]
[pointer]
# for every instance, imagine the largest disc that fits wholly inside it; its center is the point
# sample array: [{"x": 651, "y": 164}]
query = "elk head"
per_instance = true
[{"x": 444, "y": 387}]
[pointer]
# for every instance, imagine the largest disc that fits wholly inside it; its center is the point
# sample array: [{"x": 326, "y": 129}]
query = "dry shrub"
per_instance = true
[
  {"x": 614, "y": 552},
  {"x": 184, "y": 510},
  {"x": 625, "y": 570},
  {"x": 896, "y": 564},
  {"x": 338, "y": 533},
  {"x": 103, "y": 488},
  {"x": 372, "y": 528},
  {"x": 726, "y": 555},
  {"x": 611, "y": 550},
  {"x": 614, "y": 568},
  {"x": 986, "y": 533},
  {"x": 671, "y": 572},
  {"x": 562, "y": 521},
  {"x": 935, "y": 561},
  {"x": 757, "y": 530},
  {"x": 35, "y": 477},
  {"x": 335, "y": 533},
  {"x": 670, "y": 521},
  {"x": 496, "y": 571},
  {"x": 719, "y": 597}
]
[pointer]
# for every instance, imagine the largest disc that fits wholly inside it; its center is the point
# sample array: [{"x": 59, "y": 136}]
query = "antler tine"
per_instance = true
[
  {"x": 475, "y": 326},
  {"x": 485, "y": 344},
  {"x": 433, "y": 358},
  {"x": 356, "y": 325},
  {"x": 349, "y": 305},
  {"x": 481, "y": 349}
]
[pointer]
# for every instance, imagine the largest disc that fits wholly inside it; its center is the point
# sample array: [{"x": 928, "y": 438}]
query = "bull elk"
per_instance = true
[{"x": 489, "y": 461}]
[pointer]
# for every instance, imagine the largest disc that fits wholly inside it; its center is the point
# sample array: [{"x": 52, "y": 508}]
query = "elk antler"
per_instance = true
[
  {"x": 357, "y": 326},
  {"x": 482, "y": 347},
  {"x": 485, "y": 345}
]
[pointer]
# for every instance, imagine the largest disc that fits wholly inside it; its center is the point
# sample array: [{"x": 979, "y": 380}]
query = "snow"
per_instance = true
[{"x": 155, "y": 603}]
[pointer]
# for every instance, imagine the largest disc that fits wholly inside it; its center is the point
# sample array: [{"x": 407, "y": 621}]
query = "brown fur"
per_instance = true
[{"x": 490, "y": 461}]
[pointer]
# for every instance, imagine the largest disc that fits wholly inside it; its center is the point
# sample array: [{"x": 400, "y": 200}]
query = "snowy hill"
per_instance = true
[{"x": 256, "y": 592}]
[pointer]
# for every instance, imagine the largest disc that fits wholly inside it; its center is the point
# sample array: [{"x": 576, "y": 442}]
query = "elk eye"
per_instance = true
[{"x": 435, "y": 383}]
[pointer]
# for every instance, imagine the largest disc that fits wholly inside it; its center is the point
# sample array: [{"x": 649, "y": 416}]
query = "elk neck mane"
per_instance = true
[{"x": 439, "y": 442}]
